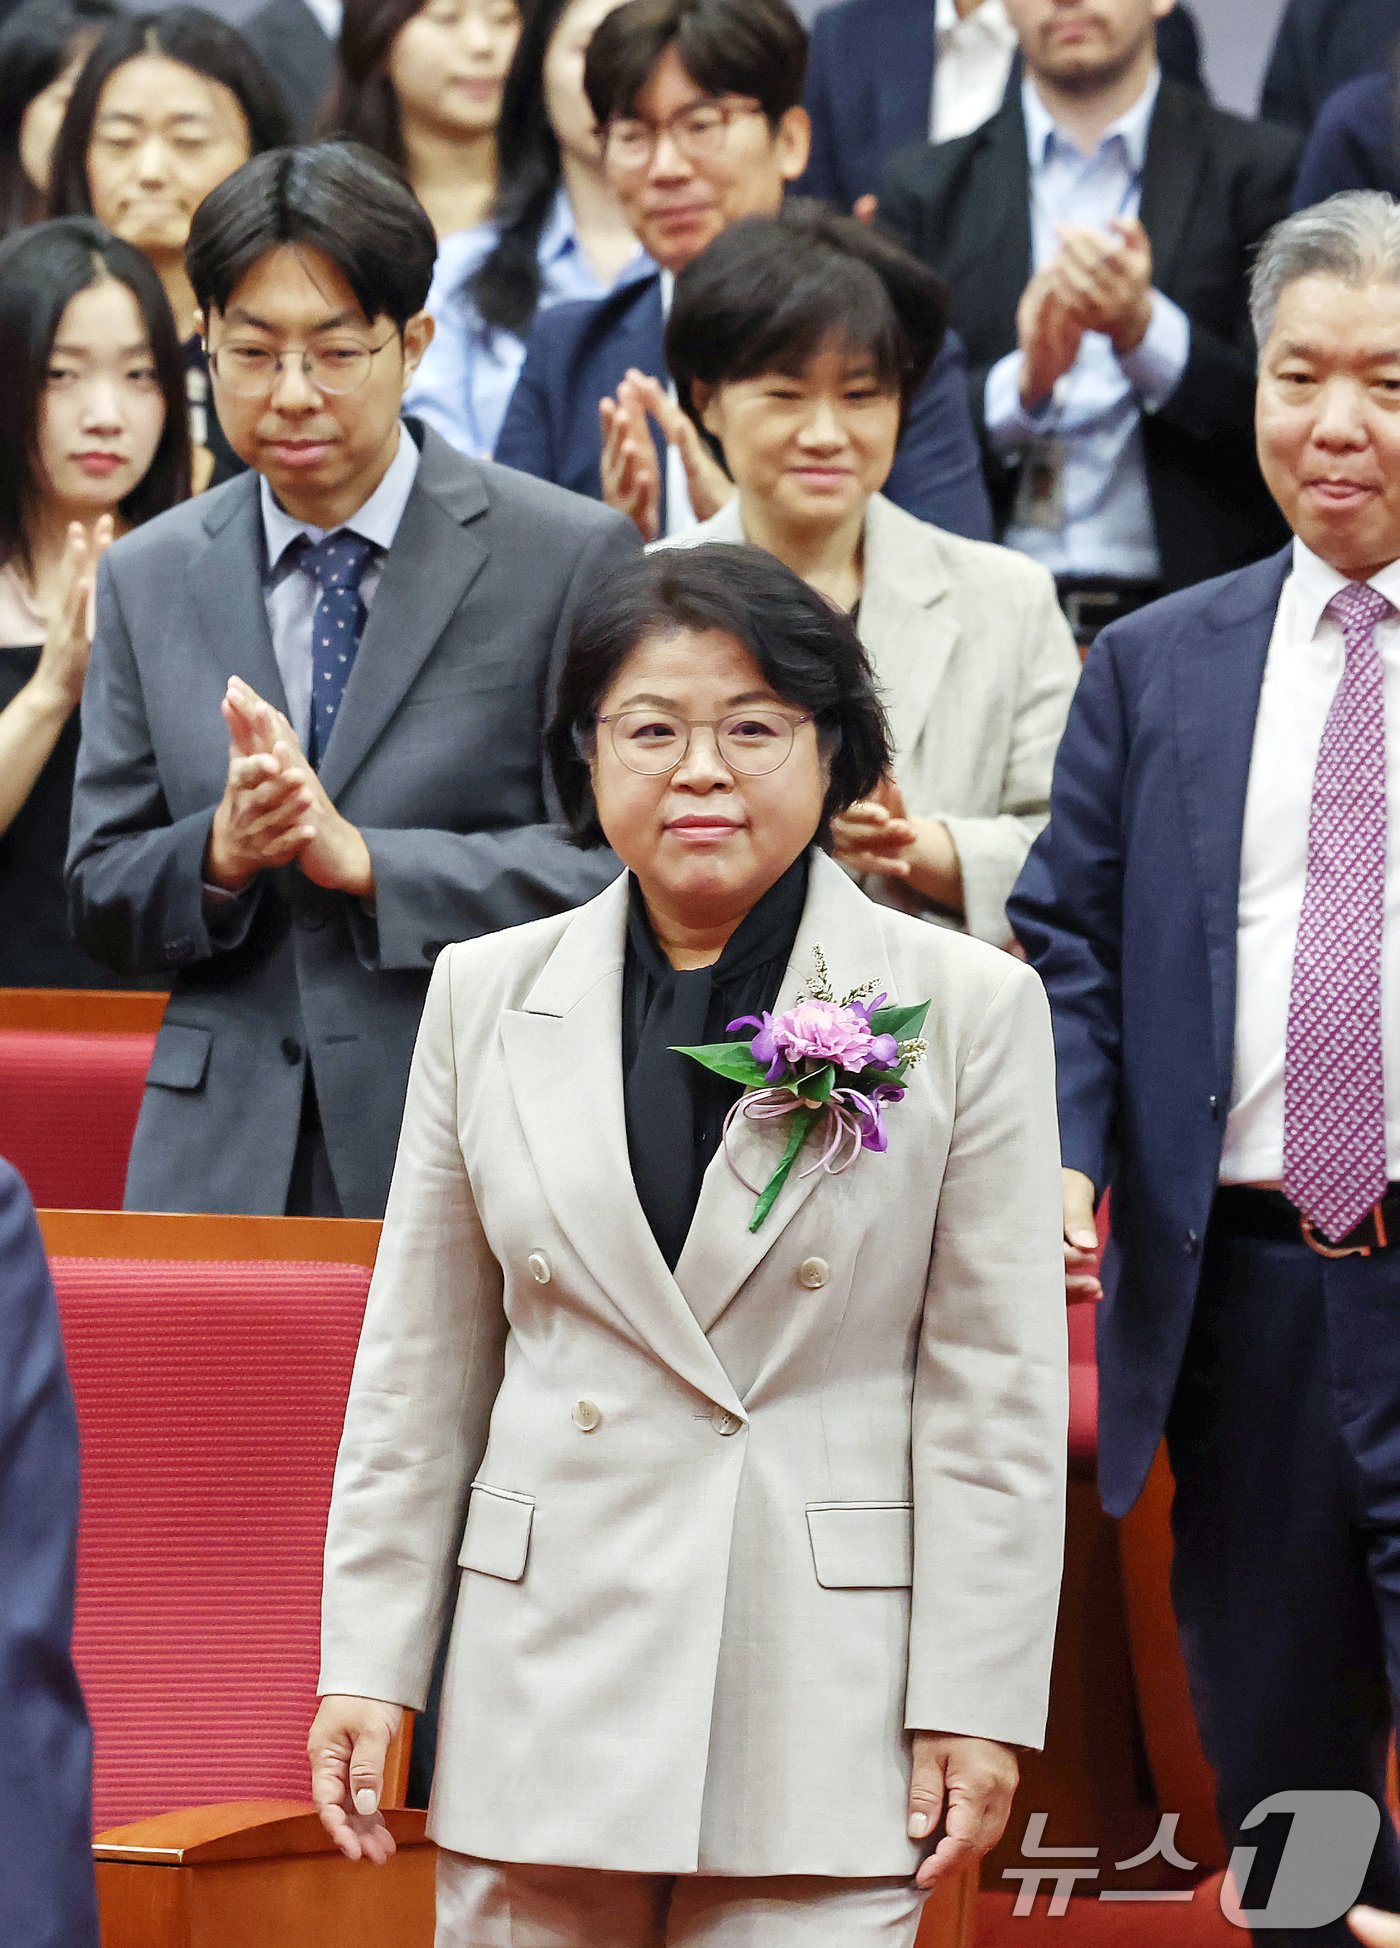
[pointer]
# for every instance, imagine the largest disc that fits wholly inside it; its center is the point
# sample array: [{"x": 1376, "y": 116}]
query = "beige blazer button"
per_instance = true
[
  {"x": 586, "y": 1416},
  {"x": 539, "y": 1268},
  {"x": 724, "y": 1422},
  {"x": 813, "y": 1273}
]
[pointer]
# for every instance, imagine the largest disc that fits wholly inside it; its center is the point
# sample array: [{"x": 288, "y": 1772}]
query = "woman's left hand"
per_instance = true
[
  {"x": 875, "y": 834},
  {"x": 967, "y": 1784}
]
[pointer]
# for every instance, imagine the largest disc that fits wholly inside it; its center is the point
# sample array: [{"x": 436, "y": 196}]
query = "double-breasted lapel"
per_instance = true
[
  {"x": 228, "y": 590},
  {"x": 907, "y": 623},
  {"x": 720, "y": 1252},
  {"x": 1218, "y": 677},
  {"x": 437, "y": 554}
]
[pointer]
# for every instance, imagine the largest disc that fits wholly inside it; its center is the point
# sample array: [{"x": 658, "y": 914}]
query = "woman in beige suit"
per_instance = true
[
  {"x": 749, "y": 1531},
  {"x": 799, "y": 341}
]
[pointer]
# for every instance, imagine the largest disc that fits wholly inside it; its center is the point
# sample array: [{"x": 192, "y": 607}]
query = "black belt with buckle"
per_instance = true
[
  {"x": 1090, "y": 603},
  {"x": 1244, "y": 1211}
]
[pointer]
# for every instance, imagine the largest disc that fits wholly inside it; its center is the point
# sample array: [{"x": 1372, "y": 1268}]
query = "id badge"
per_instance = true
[{"x": 1040, "y": 492}]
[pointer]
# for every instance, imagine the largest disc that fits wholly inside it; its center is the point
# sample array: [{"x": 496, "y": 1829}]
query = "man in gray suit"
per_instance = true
[{"x": 312, "y": 727}]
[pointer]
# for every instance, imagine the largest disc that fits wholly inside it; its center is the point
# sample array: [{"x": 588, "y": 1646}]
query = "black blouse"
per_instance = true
[{"x": 675, "y": 1109}]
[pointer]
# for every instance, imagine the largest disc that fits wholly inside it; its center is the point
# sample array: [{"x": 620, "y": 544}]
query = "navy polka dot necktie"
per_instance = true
[{"x": 338, "y": 565}]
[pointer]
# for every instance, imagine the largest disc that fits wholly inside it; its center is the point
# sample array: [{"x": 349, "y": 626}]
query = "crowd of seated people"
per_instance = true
[{"x": 350, "y": 351}]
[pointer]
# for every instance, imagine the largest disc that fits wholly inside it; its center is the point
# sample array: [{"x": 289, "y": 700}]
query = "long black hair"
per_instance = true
[
  {"x": 361, "y": 105},
  {"x": 42, "y": 270},
  {"x": 195, "y": 39},
  {"x": 506, "y": 287},
  {"x": 37, "y": 43}
]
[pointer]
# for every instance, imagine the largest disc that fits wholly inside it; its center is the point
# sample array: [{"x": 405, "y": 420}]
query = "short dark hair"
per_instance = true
[
  {"x": 37, "y": 43},
  {"x": 727, "y": 47},
  {"x": 195, "y": 39},
  {"x": 771, "y": 290},
  {"x": 807, "y": 650},
  {"x": 335, "y": 197},
  {"x": 41, "y": 271}
]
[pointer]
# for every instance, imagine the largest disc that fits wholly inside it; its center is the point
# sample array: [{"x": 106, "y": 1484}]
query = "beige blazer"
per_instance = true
[
  {"x": 977, "y": 666},
  {"x": 710, "y": 1542}
]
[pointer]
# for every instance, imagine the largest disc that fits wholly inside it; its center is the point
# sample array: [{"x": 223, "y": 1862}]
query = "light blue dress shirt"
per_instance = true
[
  {"x": 290, "y": 592},
  {"x": 464, "y": 384},
  {"x": 1096, "y": 409}
]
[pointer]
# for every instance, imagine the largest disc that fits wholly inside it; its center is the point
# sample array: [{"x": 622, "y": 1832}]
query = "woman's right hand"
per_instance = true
[
  {"x": 63, "y": 660},
  {"x": 347, "y": 1746},
  {"x": 1081, "y": 1240}
]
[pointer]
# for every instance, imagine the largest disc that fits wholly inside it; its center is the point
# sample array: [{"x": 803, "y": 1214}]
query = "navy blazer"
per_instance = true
[
  {"x": 1355, "y": 143},
  {"x": 580, "y": 353},
  {"x": 1127, "y": 909},
  {"x": 48, "y": 1898},
  {"x": 870, "y": 87},
  {"x": 1319, "y": 45}
]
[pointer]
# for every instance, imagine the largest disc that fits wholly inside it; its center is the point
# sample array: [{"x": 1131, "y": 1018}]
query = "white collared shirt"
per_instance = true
[
  {"x": 1304, "y": 667},
  {"x": 291, "y": 593},
  {"x": 327, "y": 15},
  {"x": 971, "y": 67}
]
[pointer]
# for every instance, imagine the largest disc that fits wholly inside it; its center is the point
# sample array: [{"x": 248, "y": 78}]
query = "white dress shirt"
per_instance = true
[
  {"x": 1096, "y": 408},
  {"x": 971, "y": 68},
  {"x": 327, "y": 14},
  {"x": 291, "y": 592},
  {"x": 1301, "y": 675}
]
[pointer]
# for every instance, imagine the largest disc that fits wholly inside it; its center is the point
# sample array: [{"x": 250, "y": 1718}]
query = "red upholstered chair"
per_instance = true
[
  {"x": 72, "y": 1068},
  {"x": 211, "y": 1358}
]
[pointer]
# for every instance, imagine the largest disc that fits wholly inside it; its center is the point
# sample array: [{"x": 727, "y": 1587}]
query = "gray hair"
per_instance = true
[{"x": 1354, "y": 236}]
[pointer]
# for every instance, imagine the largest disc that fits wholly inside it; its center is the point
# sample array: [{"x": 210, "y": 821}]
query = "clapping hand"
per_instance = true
[
  {"x": 347, "y": 1746},
  {"x": 275, "y": 808},
  {"x": 1050, "y": 335},
  {"x": 631, "y": 473},
  {"x": 967, "y": 1784},
  {"x": 1104, "y": 280},
  {"x": 63, "y": 660},
  {"x": 875, "y": 834},
  {"x": 1377, "y": 1930}
]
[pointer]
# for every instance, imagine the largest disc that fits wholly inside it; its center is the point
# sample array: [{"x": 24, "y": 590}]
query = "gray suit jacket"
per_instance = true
[{"x": 436, "y": 756}]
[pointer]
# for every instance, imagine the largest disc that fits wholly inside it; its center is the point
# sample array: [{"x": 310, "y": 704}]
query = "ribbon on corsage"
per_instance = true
[{"x": 825, "y": 1065}]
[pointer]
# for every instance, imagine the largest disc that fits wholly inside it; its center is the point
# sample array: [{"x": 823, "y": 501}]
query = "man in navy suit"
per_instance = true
[
  {"x": 700, "y": 106},
  {"x": 1319, "y": 45},
  {"x": 1216, "y": 915},
  {"x": 47, "y": 1894},
  {"x": 873, "y": 81}
]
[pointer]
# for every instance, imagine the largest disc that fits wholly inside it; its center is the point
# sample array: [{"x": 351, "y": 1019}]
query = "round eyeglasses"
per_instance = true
[
  {"x": 699, "y": 131},
  {"x": 251, "y": 371},
  {"x": 751, "y": 742}
]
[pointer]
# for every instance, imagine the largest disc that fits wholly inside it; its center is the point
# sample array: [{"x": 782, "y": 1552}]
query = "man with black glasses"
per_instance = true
[{"x": 312, "y": 729}]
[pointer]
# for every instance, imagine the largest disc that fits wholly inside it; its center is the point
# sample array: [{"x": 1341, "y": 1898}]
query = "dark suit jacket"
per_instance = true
[
  {"x": 1319, "y": 45},
  {"x": 436, "y": 756},
  {"x": 1355, "y": 143},
  {"x": 289, "y": 38},
  {"x": 1127, "y": 908},
  {"x": 580, "y": 353},
  {"x": 1212, "y": 186},
  {"x": 870, "y": 87},
  {"x": 47, "y": 1895}
]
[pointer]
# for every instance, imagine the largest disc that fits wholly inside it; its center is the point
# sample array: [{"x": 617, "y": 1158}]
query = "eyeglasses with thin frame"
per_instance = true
[
  {"x": 751, "y": 742},
  {"x": 251, "y": 371},
  {"x": 699, "y": 131}
]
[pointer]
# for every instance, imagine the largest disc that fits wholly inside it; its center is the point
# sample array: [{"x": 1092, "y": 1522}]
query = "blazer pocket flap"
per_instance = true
[
  {"x": 497, "y": 1540},
  {"x": 181, "y": 1057},
  {"x": 862, "y": 1545}
]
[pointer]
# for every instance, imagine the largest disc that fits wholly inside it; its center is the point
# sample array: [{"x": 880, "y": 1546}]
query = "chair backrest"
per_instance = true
[
  {"x": 72, "y": 1068},
  {"x": 211, "y": 1360}
]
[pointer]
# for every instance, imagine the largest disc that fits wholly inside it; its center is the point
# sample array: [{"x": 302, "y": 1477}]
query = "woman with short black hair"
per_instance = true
[
  {"x": 557, "y": 233},
  {"x": 167, "y": 106},
  {"x": 43, "y": 45},
  {"x": 797, "y": 343},
  {"x": 703, "y": 1380},
  {"x": 93, "y": 441}
]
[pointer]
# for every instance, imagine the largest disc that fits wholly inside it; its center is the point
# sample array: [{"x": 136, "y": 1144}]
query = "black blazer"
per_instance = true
[
  {"x": 870, "y": 86},
  {"x": 1212, "y": 186},
  {"x": 294, "y": 45},
  {"x": 1320, "y": 44}
]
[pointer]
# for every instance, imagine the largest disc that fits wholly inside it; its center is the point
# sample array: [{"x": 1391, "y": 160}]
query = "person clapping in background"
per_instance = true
[{"x": 93, "y": 440}]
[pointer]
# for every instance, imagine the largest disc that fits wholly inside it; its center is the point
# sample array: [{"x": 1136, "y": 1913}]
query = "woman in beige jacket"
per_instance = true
[
  {"x": 799, "y": 340},
  {"x": 749, "y": 1526}
]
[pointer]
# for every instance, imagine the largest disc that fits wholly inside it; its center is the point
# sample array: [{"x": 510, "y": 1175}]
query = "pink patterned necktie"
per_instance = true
[{"x": 1334, "y": 1138}]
